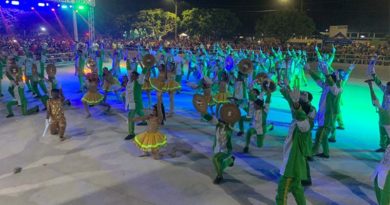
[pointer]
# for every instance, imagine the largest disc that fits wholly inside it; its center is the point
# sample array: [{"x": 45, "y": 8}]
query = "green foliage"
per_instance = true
[
  {"x": 209, "y": 22},
  {"x": 284, "y": 24},
  {"x": 156, "y": 22}
]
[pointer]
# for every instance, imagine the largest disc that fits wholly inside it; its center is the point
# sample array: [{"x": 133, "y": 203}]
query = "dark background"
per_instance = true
[{"x": 360, "y": 15}]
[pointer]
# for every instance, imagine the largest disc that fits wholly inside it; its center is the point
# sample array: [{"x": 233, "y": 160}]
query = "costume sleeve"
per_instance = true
[
  {"x": 333, "y": 86},
  {"x": 316, "y": 78},
  {"x": 141, "y": 79},
  {"x": 378, "y": 82},
  {"x": 303, "y": 123}
]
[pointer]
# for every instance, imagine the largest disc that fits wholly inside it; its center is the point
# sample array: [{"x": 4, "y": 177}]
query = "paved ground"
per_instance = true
[{"x": 96, "y": 166}]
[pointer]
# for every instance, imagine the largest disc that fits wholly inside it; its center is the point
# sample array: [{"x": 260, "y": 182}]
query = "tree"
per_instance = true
[
  {"x": 156, "y": 22},
  {"x": 209, "y": 22},
  {"x": 124, "y": 22},
  {"x": 285, "y": 24}
]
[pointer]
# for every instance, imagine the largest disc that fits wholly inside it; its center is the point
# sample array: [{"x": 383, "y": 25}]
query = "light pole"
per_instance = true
[{"x": 175, "y": 2}]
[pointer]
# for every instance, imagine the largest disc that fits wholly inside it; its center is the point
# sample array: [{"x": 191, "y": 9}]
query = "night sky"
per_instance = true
[{"x": 360, "y": 15}]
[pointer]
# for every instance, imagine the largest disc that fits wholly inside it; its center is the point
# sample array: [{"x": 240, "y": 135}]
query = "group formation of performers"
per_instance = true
[{"x": 233, "y": 87}]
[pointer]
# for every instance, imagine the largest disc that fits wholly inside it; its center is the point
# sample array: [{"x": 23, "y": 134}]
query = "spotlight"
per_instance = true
[
  {"x": 53, "y": 10},
  {"x": 7, "y": 2},
  {"x": 41, "y": 4},
  {"x": 81, "y": 7},
  {"x": 43, "y": 28},
  {"x": 64, "y": 6},
  {"x": 58, "y": 5},
  {"x": 15, "y": 3},
  {"x": 70, "y": 6},
  {"x": 32, "y": 8},
  {"x": 15, "y": 41}
]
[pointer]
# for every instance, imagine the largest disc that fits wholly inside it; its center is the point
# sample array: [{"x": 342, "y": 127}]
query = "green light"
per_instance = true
[{"x": 81, "y": 7}]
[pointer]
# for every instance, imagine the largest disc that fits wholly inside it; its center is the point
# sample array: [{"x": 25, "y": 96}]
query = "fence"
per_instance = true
[{"x": 66, "y": 58}]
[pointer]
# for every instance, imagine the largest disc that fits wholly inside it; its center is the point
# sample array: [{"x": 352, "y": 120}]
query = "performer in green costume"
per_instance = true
[
  {"x": 18, "y": 93},
  {"x": 295, "y": 151},
  {"x": 328, "y": 108},
  {"x": 134, "y": 100}
]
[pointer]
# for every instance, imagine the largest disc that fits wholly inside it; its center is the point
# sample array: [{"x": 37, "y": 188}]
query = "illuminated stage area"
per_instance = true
[{"x": 96, "y": 166}]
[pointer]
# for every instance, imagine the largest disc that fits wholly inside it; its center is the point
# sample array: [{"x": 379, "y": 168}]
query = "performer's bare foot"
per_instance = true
[{"x": 62, "y": 139}]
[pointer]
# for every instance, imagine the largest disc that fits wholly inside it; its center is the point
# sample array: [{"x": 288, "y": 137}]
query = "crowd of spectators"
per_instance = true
[{"x": 62, "y": 49}]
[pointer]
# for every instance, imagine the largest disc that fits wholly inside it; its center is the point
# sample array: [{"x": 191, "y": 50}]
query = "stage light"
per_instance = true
[
  {"x": 15, "y": 3},
  {"x": 32, "y": 8},
  {"x": 70, "y": 6},
  {"x": 15, "y": 41},
  {"x": 58, "y": 5},
  {"x": 7, "y": 2},
  {"x": 81, "y": 7},
  {"x": 41, "y": 4},
  {"x": 43, "y": 28},
  {"x": 53, "y": 10},
  {"x": 47, "y": 4},
  {"x": 64, "y": 6}
]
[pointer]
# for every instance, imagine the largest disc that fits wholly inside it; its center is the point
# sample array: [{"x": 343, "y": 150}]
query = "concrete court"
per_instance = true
[{"x": 96, "y": 166}]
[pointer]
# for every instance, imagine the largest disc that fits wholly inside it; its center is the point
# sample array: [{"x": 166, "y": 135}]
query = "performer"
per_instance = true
[
  {"x": 294, "y": 167},
  {"x": 384, "y": 119},
  {"x": 328, "y": 108},
  {"x": 110, "y": 83},
  {"x": 3, "y": 64},
  {"x": 18, "y": 92},
  {"x": 171, "y": 86},
  {"x": 152, "y": 140},
  {"x": 93, "y": 97},
  {"x": 147, "y": 87},
  {"x": 55, "y": 114},
  {"x": 381, "y": 178},
  {"x": 222, "y": 147},
  {"x": 259, "y": 123},
  {"x": 134, "y": 100},
  {"x": 343, "y": 77},
  {"x": 53, "y": 83},
  {"x": 222, "y": 96},
  {"x": 79, "y": 67}
]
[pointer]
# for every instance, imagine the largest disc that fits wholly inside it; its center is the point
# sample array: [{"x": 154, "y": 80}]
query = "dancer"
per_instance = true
[
  {"x": 17, "y": 86},
  {"x": 79, "y": 67},
  {"x": 171, "y": 86},
  {"x": 259, "y": 122},
  {"x": 343, "y": 76},
  {"x": 384, "y": 119},
  {"x": 110, "y": 83},
  {"x": 134, "y": 101},
  {"x": 295, "y": 151},
  {"x": 93, "y": 97},
  {"x": 328, "y": 108},
  {"x": 222, "y": 147},
  {"x": 152, "y": 140},
  {"x": 3, "y": 64},
  {"x": 55, "y": 114}
]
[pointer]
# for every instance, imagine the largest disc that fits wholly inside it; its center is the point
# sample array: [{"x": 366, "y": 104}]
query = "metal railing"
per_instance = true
[{"x": 68, "y": 57}]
